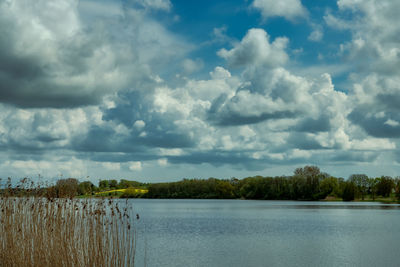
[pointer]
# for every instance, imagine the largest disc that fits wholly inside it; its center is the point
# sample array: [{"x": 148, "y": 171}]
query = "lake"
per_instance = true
[{"x": 266, "y": 233}]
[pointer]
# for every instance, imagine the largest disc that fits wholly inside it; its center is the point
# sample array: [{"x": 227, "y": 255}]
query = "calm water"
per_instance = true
[{"x": 266, "y": 233}]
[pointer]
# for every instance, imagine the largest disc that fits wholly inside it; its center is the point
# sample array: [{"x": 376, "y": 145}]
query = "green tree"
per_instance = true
[
  {"x": 329, "y": 187},
  {"x": 86, "y": 188},
  {"x": 349, "y": 191},
  {"x": 372, "y": 187},
  {"x": 113, "y": 184},
  {"x": 361, "y": 183},
  {"x": 312, "y": 176},
  {"x": 126, "y": 184},
  {"x": 397, "y": 182},
  {"x": 385, "y": 185},
  {"x": 104, "y": 185}
]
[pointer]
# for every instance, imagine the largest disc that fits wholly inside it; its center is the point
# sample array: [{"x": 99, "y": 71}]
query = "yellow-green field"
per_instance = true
[{"x": 121, "y": 191}]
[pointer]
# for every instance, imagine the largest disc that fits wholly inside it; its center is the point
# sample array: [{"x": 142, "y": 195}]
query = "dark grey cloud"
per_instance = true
[
  {"x": 235, "y": 119},
  {"x": 241, "y": 111},
  {"x": 158, "y": 130},
  {"x": 60, "y": 59},
  {"x": 310, "y": 125},
  {"x": 390, "y": 101},
  {"x": 349, "y": 157},
  {"x": 302, "y": 141},
  {"x": 220, "y": 158},
  {"x": 118, "y": 157},
  {"x": 44, "y": 64},
  {"x": 376, "y": 121}
]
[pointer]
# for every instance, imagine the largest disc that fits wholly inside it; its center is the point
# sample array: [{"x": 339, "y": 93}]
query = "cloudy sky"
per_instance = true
[{"x": 158, "y": 90}]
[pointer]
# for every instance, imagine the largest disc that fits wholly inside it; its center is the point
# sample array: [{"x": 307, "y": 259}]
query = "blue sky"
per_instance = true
[{"x": 159, "y": 90}]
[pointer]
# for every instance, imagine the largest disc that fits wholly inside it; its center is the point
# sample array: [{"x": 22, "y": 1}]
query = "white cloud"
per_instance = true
[
  {"x": 60, "y": 58},
  {"x": 135, "y": 166},
  {"x": 374, "y": 54},
  {"x": 289, "y": 9},
  {"x": 374, "y": 44},
  {"x": 164, "y": 5},
  {"x": 258, "y": 108},
  {"x": 220, "y": 73},
  {"x": 51, "y": 167},
  {"x": 377, "y": 144},
  {"x": 256, "y": 49},
  {"x": 171, "y": 152},
  {"x": 298, "y": 153},
  {"x": 316, "y": 35},
  {"x": 139, "y": 124},
  {"x": 162, "y": 162},
  {"x": 190, "y": 66},
  {"x": 113, "y": 166},
  {"x": 392, "y": 123}
]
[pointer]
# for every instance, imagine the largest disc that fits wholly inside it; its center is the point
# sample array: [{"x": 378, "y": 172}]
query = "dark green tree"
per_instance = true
[
  {"x": 86, "y": 188},
  {"x": 312, "y": 176},
  {"x": 113, "y": 184},
  {"x": 361, "y": 183},
  {"x": 104, "y": 185},
  {"x": 329, "y": 187},
  {"x": 349, "y": 191},
  {"x": 385, "y": 185},
  {"x": 372, "y": 187}
]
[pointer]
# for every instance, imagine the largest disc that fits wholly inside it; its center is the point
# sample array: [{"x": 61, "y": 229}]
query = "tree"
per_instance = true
[
  {"x": 312, "y": 176},
  {"x": 329, "y": 186},
  {"x": 113, "y": 184},
  {"x": 67, "y": 187},
  {"x": 349, "y": 191},
  {"x": 385, "y": 185},
  {"x": 397, "y": 182},
  {"x": 361, "y": 183},
  {"x": 104, "y": 184},
  {"x": 126, "y": 184},
  {"x": 372, "y": 187},
  {"x": 86, "y": 188}
]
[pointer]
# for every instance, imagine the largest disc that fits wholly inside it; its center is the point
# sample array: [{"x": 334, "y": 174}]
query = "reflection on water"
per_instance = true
[{"x": 266, "y": 233}]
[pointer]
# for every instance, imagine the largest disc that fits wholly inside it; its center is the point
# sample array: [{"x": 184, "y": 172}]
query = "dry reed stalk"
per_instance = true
[{"x": 40, "y": 231}]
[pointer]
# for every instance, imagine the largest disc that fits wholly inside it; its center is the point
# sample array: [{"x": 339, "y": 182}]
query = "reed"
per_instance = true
[{"x": 39, "y": 230}]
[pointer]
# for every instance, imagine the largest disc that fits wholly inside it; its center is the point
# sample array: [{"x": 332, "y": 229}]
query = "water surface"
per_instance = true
[{"x": 266, "y": 233}]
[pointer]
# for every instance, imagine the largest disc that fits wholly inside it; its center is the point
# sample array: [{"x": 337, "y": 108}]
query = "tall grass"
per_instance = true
[{"x": 39, "y": 230}]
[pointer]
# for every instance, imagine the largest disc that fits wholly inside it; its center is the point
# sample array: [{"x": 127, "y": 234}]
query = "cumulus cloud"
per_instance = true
[
  {"x": 40, "y": 130},
  {"x": 190, "y": 66},
  {"x": 289, "y": 9},
  {"x": 47, "y": 58},
  {"x": 58, "y": 59},
  {"x": 374, "y": 33},
  {"x": 164, "y": 5},
  {"x": 375, "y": 53},
  {"x": 255, "y": 48},
  {"x": 252, "y": 110},
  {"x": 317, "y": 34}
]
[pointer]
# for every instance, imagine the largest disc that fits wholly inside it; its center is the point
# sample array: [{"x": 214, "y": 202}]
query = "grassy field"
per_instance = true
[{"x": 122, "y": 192}]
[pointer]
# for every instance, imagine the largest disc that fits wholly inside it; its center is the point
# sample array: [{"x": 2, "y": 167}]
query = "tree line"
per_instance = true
[{"x": 306, "y": 183}]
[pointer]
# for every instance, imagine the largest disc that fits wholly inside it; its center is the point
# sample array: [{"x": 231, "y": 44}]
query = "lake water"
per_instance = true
[{"x": 266, "y": 233}]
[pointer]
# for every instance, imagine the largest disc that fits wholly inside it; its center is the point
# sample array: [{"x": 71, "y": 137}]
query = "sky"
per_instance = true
[{"x": 160, "y": 90}]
